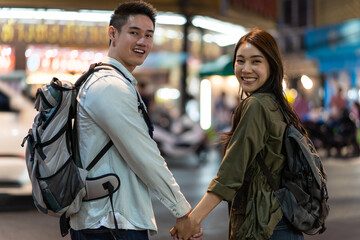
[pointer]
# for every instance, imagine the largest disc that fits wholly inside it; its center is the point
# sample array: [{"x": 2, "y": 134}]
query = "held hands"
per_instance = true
[
  {"x": 186, "y": 228},
  {"x": 197, "y": 236}
]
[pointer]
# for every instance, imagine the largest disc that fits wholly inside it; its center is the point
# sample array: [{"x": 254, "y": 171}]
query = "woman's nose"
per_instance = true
[{"x": 246, "y": 67}]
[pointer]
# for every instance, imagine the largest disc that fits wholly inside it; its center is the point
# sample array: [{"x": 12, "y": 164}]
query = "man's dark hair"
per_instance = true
[{"x": 124, "y": 10}]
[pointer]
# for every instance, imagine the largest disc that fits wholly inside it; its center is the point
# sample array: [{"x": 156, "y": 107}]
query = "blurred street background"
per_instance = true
[
  {"x": 189, "y": 87},
  {"x": 20, "y": 220}
]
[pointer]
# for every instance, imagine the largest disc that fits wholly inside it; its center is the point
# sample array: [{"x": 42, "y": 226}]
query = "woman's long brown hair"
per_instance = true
[{"x": 267, "y": 45}]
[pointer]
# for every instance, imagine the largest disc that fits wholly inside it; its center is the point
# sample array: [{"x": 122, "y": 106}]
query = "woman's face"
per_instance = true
[{"x": 251, "y": 68}]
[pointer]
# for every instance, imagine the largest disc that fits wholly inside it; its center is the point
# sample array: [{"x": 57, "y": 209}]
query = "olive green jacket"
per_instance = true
[{"x": 260, "y": 130}]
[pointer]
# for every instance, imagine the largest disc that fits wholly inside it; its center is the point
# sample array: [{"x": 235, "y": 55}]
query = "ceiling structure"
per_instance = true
[{"x": 226, "y": 10}]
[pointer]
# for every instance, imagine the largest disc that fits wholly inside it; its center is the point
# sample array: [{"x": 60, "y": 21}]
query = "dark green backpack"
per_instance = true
[{"x": 303, "y": 193}]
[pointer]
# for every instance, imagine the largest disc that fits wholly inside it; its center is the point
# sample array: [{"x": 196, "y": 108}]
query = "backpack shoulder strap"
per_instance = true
[
  {"x": 261, "y": 161},
  {"x": 267, "y": 172},
  {"x": 281, "y": 109},
  {"x": 82, "y": 79},
  {"x": 86, "y": 74},
  {"x": 141, "y": 105},
  {"x": 99, "y": 155},
  {"x": 95, "y": 67}
]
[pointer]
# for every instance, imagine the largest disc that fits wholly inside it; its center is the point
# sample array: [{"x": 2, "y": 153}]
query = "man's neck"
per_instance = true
[{"x": 130, "y": 69}]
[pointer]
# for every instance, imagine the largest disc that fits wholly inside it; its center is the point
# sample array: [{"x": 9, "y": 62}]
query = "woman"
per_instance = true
[{"x": 257, "y": 128}]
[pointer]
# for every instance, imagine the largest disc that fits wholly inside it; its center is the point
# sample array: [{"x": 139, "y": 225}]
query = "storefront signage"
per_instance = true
[
  {"x": 70, "y": 33},
  {"x": 266, "y": 8}
]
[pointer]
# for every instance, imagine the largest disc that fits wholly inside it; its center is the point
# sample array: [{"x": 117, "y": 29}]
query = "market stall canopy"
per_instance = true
[
  {"x": 335, "y": 47},
  {"x": 222, "y": 66}
]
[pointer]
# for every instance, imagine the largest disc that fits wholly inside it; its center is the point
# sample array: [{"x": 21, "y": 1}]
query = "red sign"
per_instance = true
[
  {"x": 7, "y": 59},
  {"x": 266, "y": 8}
]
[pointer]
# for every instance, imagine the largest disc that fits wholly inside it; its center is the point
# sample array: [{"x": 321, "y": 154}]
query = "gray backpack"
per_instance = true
[
  {"x": 303, "y": 193},
  {"x": 59, "y": 181}
]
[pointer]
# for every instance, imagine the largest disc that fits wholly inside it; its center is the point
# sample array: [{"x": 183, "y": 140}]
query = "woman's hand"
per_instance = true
[{"x": 197, "y": 236}]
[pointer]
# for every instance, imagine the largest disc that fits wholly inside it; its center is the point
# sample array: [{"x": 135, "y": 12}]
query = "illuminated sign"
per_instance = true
[
  {"x": 7, "y": 59},
  {"x": 44, "y": 62},
  {"x": 44, "y": 33}
]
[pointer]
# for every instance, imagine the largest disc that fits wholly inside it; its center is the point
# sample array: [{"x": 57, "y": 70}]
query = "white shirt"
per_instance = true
[{"x": 108, "y": 109}]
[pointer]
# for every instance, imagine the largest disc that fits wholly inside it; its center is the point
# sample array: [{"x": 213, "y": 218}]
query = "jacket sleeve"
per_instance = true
[
  {"x": 248, "y": 139},
  {"x": 115, "y": 110}
]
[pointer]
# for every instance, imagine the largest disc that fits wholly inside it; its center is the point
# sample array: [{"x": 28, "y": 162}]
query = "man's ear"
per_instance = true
[{"x": 112, "y": 33}]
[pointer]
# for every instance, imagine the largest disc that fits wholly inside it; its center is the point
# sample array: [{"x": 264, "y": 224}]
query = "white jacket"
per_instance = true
[{"x": 108, "y": 108}]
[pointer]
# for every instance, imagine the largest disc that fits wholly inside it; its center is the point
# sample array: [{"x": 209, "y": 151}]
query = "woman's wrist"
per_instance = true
[{"x": 194, "y": 217}]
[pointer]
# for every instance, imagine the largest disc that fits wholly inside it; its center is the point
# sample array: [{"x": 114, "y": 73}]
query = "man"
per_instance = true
[{"x": 108, "y": 110}]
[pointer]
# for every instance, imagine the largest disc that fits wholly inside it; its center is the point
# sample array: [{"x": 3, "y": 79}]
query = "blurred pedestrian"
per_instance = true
[
  {"x": 301, "y": 105},
  {"x": 337, "y": 104},
  {"x": 222, "y": 114},
  {"x": 355, "y": 112},
  {"x": 258, "y": 128},
  {"x": 108, "y": 110}
]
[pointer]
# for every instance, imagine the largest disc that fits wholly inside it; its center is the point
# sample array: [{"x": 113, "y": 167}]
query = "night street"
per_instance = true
[
  {"x": 343, "y": 222},
  {"x": 100, "y": 82}
]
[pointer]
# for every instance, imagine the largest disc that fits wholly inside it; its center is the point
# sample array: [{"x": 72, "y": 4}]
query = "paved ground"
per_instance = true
[
  {"x": 19, "y": 222},
  {"x": 343, "y": 185}
]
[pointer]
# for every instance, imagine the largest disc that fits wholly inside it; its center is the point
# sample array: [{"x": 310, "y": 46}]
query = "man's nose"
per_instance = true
[{"x": 141, "y": 40}]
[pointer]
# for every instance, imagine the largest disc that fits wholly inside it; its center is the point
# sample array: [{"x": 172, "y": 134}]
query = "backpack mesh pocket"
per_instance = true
[{"x": 66, "y": 182}]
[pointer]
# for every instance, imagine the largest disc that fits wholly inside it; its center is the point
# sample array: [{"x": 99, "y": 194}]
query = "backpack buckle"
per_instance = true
[{"x": 309, "y": 181}]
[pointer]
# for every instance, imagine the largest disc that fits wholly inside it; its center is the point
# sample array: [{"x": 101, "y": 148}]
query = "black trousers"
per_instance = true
[{"x": 108, "y": 234}]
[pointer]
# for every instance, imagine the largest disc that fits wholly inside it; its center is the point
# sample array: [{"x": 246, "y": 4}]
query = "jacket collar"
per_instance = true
[{"x": 117, "y": 64}]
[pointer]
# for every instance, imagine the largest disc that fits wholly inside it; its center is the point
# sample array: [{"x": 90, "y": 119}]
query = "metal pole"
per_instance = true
[
  {"x": 183, "y": 83},
  {"x": 184, "y": 5}
]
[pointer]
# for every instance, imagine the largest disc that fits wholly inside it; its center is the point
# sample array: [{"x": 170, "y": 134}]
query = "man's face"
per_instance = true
[{"x": 133, "y": 43}]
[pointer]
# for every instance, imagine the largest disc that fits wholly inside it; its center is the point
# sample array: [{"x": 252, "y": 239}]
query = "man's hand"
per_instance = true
[
  {"x": 197, "y": 236},
  {"x": 186, "y": 228}
]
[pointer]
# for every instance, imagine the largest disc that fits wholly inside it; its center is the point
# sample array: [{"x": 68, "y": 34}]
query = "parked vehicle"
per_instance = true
[
  {"x": 16, "y": 115},
  {"x": 183, "y": 137}
]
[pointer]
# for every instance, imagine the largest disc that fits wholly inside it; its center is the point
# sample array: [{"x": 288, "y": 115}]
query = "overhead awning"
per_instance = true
[
  {"x": 222, "y": 66},
  {"x": 336, "y": 47}
]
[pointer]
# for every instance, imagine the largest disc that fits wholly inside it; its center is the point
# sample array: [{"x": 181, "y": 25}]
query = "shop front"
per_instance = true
[
  {"x": 44, "y": 43},
  {"x": 336, "y": 49},
  {"x": 223, "y": 90}
]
